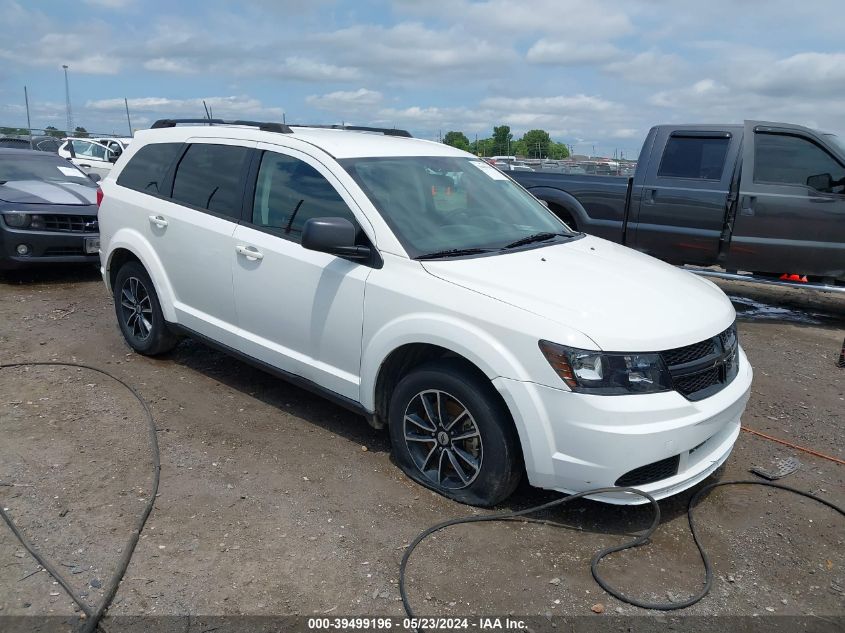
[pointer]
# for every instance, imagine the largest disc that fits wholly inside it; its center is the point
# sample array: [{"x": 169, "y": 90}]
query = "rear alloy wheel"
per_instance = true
[
  {"x": 451, "y": 433},
  {"x": 139, "y": 312}
]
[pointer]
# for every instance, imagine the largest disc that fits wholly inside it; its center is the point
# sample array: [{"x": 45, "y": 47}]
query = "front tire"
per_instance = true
[
  {"x": 451, "y": 433},
  {"x": 139, "y": 312}
]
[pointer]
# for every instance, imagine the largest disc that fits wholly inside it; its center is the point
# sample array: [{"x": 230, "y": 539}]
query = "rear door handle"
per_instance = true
[
  {"x": 86, "y": 166},
  {"x": 159, "y": 221},
  {"x": 250, "y": 252},
  {"x": 651, "y": 196}
]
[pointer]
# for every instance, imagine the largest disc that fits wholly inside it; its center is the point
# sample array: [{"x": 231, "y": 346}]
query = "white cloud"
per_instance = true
[
  {"x": 570, "y": 52},
  {"x": 345, "y": 99},
  {"x": 647, "y": 67},
  {"x": 241, "y": 107},
  {"x": 109, "y": 4}
]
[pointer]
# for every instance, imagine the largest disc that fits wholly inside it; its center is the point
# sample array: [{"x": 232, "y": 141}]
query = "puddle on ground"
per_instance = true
[{"x": 752, "y": 310}]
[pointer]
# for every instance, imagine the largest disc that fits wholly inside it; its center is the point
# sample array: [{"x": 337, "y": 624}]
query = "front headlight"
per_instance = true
[
  {"x": 611, "y": 374},
  {"x": 16, "y": 220}
]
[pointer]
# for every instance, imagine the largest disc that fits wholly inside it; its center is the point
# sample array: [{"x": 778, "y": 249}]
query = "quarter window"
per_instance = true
[
  {"x": 209, "y": 177},
  {"x": 700, "y": 158},
  {"x": 792, "y": 160},
  {"x": 148, "y": 167},
  {"x": 289, "y": 192}
]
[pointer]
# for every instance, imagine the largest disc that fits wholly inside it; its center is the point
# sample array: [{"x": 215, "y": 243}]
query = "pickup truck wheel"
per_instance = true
[
  {"x": 450, "y": 433},
  {"x": 139, "y": 312}
]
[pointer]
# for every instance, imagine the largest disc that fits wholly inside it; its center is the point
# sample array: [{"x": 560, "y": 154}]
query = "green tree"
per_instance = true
[
  {"x": 558, "y": 150},
  {"x": 457, "y": 139},
  {"x": 502, "y": 138},
  {"x": 81, "y": 132},
  {"x": 537, "y": 143},
  {"x": 51, "y": 131}
]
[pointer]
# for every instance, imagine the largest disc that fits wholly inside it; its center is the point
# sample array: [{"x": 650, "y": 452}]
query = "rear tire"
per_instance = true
[
  {"x": 451, "y": 433},
  {"x": 139, "y": 312}
]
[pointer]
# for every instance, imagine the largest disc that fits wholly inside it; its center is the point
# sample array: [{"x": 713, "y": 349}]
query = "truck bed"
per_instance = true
[{"x": 604, "y": 196}]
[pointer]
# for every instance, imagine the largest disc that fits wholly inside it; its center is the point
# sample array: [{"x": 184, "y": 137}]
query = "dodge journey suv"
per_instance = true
[{"x": 424, "y": 289}]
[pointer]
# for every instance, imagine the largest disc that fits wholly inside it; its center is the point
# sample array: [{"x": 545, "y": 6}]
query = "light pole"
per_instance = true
[{"x": 67, "y": 104}]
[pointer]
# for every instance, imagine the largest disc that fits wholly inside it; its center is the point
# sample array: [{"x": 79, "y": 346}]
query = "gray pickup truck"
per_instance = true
[{"x": 760, "y": 200}]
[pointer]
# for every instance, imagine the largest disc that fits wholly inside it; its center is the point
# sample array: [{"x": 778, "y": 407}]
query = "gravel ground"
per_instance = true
[{"x": 273, "y": 501}]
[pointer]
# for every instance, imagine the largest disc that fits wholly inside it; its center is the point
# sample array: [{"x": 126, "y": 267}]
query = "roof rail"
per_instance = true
[
  {"x": 387, "y": 131},
  {"x": 281, "y": 128}
]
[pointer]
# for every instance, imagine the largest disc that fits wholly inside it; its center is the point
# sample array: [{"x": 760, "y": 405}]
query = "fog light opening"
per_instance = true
[{"x": 23, "y": 249}]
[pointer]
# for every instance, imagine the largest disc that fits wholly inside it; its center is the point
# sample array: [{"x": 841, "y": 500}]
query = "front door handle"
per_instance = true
[
  {"x": 250, "y": 252},
  {"x": 747, "y": 207},
  {"x": 651, "y": 196},
  {"x": 158, "y": 220}
]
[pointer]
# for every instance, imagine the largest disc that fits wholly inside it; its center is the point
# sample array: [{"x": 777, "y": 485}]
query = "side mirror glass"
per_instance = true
[
  {"x": 112, "y": 156},
  {"x": 335, "y": 236},
  {"x": 820, "y": 182}
]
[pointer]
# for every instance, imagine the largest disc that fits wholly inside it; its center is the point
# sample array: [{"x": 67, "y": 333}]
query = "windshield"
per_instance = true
[
  {"x": 14, "y": 167},
  {"x": 446, "y": 203}
]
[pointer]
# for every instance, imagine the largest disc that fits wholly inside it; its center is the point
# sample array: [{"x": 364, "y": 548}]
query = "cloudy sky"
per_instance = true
[{"x": 592, "y": 72}]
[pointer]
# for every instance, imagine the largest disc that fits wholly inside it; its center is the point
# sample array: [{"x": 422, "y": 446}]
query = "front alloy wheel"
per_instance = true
[
  {"x": 452, "y": 433},
  {"x": 443, "y": 439}
]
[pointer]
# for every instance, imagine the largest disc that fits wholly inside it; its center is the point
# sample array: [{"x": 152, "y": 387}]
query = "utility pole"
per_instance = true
[
  {"x": 67, "y": 104},
  {"x": 128, "y": 120},
  {"x": 26, "y": 100}
]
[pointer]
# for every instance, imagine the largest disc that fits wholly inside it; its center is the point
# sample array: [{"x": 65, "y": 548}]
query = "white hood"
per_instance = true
[{"x": 621, "y": 299}]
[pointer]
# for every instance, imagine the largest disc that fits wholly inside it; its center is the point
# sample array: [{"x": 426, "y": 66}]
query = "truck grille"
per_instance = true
[
  {"x": 71, "y": 223},
  {"x": 705, "y": 368},
  {"x": 650, "y": 473}
]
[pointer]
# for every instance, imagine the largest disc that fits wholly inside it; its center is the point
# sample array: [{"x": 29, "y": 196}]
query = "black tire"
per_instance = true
[
  {"x": 135, "y": 297},
  {"x": 490, "y": 464}
]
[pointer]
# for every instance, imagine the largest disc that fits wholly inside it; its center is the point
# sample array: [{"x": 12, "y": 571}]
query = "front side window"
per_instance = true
[
  {"x": 440, "y": 203},
  {"x": 209, "y": 177},
  {"x": 792, "y": 160},
  {"x": 289, "y": 192},
  {"x": 696, "y": 157},
  {"x": 147, "y": 169}
]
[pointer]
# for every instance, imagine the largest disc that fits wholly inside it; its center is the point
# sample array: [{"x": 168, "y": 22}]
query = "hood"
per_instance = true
[
  {"x": 46, "y": 192},
  {"x": 622, "y": 299}
]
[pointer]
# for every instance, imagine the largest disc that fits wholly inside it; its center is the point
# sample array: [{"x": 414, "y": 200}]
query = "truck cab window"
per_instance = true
[
  {"x": 700, "y": 158},
  {"x": 792, "y": 160}
]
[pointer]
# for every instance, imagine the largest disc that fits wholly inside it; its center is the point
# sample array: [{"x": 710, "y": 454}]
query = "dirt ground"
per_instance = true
[{"x": 274, "y": 501}]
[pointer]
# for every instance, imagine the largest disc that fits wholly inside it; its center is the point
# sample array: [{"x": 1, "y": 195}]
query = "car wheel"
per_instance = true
[
  {"x": 450, "y": 432},
  {"x": 139, "y": 312}
]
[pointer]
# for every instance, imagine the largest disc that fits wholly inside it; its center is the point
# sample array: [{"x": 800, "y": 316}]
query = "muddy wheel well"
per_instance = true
[
  {"x": 118, "y": 259},
  {"x": 564, "y": 214},
  {"x": 402, "y": 361}
]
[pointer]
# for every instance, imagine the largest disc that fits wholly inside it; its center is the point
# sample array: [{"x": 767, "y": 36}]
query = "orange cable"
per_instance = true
[{"x": 795, "y": 446}]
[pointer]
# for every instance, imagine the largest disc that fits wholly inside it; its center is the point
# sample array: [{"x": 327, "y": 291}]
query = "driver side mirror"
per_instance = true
[
  {"x": 335, "y": 236},
  {"x": 820, "y": 182},
  {"x": 94, "y": 177},
  {"x": 112, "y": 156}
]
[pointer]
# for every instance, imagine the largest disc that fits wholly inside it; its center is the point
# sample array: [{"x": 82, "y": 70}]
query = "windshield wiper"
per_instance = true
[
  {"x": 454, "y": 252},
  {"x": 536, "y": 237}
]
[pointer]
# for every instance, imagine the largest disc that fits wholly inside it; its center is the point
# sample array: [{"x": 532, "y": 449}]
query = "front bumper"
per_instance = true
[
  {"x": 574, "y": 442},
  {"x": 47, "y": 247}
]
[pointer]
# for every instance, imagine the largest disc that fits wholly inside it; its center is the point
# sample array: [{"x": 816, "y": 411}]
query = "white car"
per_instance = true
[
  {"x": 93, "y": 156},
  {"x": 422, "y": 288}
]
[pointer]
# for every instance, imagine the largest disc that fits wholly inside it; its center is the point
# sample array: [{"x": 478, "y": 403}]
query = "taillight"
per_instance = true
[{"x": 99, "y": 197}]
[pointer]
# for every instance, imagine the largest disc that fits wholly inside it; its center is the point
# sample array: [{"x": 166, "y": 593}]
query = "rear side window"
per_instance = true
[
  {"x": 791, "y": 160},
  {"x": 700, "y": 158},
  {"x": 290, "y": 191},
  {"x": 209, "y": 177},
  {"x": 147, "y": 168}
]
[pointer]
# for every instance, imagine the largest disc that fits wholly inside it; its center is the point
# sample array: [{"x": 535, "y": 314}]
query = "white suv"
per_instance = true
[{"x": 422, "y": 288}]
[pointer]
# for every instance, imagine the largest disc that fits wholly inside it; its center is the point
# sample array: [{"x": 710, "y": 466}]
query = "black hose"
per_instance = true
[
  {"x": 93, "y": 616},
  {"x": 598, "y": 556}
]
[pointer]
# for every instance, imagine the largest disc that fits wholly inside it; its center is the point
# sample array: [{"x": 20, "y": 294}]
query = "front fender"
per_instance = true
[
  {"x": 472, "y": 342},
  {"x": 134, "y": 242}
]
